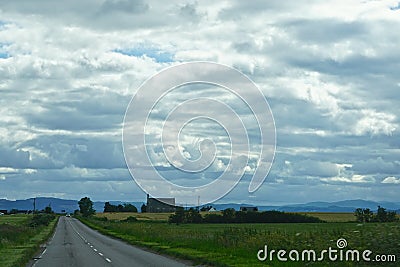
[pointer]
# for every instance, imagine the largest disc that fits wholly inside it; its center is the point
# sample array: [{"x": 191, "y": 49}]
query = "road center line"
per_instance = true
[{"x": 85, "y": 240}]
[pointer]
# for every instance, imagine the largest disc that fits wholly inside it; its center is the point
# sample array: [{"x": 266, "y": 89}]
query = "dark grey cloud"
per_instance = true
[
  {"x": 325, "y": 31},
  {"x": 378, "y": 165},
  {"x": 123, "y": 6},
  {"x": 13, "y": 158},
  {"x": 88, "y": 111},
  {"x": 351, "y": 66},
  {"x": 242, "y": 10},
  {"x": 82, "y": 152},
  {"x": 105, "y": 15}
]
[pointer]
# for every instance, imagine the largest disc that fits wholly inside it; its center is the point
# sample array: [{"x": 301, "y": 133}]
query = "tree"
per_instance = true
[
  {"x": 368, "y": 215},
  {"x": 193, "y": 216},
  {"x": 86, "y": 207},
  {"x": 143, "y": 208},
  {"x": 109, "y": 207},
  {"x": 391, "y": 216},
  {"x": 363, "y": 215},
  {"x": 48, "y": 210},
  {"x": 359, "y": 215},
  {"x": 129, "y": 208},
  {"x": 178, "y": 217},
  {"x": 120, "y": 208},
  {"x": 13, "y": 211},
  {"x": 381, "y": 214},
  {"x": 228, "y": 214}
]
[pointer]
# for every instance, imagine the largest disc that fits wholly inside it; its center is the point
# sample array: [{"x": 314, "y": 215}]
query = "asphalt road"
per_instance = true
[{"x": 75, "y": 244}]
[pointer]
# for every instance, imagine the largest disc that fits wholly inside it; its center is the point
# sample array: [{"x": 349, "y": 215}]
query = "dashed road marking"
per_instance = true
[{"x": 85, "y": 240}]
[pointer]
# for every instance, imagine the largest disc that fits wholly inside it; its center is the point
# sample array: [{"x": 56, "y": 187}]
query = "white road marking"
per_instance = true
[
  {"x": 41, "y": 255},
  {"x": 85, "y": 240}
]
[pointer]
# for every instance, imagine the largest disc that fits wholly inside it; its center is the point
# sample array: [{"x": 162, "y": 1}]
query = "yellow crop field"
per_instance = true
[
  {"x": 140, "y": 216},
  {"x": 332, "y": 216}
]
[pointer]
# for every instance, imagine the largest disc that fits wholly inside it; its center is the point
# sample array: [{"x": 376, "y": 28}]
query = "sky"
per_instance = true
[{"x": 330, "y": 71}]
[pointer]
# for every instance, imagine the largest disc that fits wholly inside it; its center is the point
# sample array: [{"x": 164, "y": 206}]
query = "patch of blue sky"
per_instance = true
[
  {"x": 3, "y": 24},
  {"x": 4, "y": 55},
  {"x": 396, "y": 7},
  {"x": 154, "y": 53},
  {"x": 3, "y": 50}
]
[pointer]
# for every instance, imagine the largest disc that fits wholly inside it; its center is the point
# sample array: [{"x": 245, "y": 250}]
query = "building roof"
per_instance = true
[{"x": 166, "y": 200}]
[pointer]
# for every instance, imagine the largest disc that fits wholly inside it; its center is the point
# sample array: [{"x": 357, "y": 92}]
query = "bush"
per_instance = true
[
  {"x": 130, "y": 219},
  {"x": 102, "y": 219},
  {"x": 272, "y": 216},
  {"x": 39, "y": 219},
  {"x": 178, "y": 217}
]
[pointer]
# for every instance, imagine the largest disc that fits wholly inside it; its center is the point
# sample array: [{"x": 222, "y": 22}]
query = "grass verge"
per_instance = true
[
  {"x": 238, "y": 244},
  {"x": 18, "y": 241}
]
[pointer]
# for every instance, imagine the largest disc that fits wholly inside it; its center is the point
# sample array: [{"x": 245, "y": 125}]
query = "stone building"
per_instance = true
[{"x": 160, "y": 204}]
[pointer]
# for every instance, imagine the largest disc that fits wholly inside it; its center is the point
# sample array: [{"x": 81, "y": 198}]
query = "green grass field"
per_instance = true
[
  {"x": 326, "y": 216},
  {"x": 238, "y": 244},
  {"x": 18, "y": 241}
]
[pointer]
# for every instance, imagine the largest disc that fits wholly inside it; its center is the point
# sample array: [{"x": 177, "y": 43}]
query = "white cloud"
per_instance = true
[
  {"x": 375, "y": 123},
  {"x": 7, "y": 170},
  {"x": 355, "y": 178},
  {"x": 391, "y": 180}
]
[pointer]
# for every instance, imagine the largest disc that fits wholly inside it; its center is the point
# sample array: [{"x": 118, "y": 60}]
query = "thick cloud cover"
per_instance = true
[{"x": 331, "y": 75}]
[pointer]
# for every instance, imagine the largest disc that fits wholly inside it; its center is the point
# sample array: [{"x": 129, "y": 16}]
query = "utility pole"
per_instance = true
[{"x": 34, "y": 204}]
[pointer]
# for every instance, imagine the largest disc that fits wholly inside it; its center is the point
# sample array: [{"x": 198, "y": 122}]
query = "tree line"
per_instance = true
[
  {"x": 86, "y": 207},
  {"x": 381, "y": 215},
  {"x": 108, "y": 207},
  {"x": 231, "y": 216}
]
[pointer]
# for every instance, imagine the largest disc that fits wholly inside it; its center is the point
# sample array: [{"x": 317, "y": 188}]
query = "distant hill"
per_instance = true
[
  {"x": 57, "y": 204},
  {"x": 68, "y": 205},
  {"x": 339, "y": 206}
]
